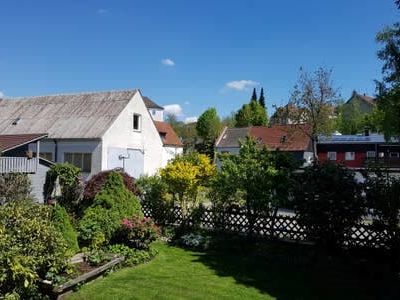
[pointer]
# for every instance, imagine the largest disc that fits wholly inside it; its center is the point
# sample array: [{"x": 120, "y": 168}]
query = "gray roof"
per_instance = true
[
  {"x": 151, "y": 104},
  {"x": 85, "y": 115},
  {"x": 230, "y": 137}
]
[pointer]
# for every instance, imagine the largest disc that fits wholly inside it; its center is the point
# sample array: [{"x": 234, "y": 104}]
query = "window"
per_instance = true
[
  {"x": 371, "y": 154},
  {"x": 331, "y": 155},
  {"x": 80, "y": 160},
  {"x": 394, "y": 154},
  {"x": 136, "y": 122},
  {"x": 349, "y": 155},
  {"x": 153, "y": 112}
]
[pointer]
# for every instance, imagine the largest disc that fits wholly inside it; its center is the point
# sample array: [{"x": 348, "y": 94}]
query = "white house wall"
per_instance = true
[
  {"x": 120, "y": 140},
  {"x": 169, "y": 153},
  {"x": 157, "y": 114}
]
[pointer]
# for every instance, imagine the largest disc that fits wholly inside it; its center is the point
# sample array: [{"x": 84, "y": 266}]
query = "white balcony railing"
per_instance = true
[{"x": 18, "y": 165}]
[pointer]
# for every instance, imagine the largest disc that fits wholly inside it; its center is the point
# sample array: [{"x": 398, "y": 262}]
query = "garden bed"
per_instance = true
[{"x": 86, "y": 271}]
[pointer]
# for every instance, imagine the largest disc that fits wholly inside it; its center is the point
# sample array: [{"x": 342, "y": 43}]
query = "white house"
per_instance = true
[{"x": 95, "y": 131}]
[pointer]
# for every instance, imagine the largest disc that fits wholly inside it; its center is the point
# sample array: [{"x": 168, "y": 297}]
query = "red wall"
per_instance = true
[{"x": 358, "y": 161}]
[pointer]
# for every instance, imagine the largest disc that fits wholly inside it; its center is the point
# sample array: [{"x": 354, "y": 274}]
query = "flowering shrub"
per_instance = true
[{"x": 138, "y": 232}]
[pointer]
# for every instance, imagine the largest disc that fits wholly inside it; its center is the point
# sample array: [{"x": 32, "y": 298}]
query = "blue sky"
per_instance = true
[{"x": 195, "y": 54}]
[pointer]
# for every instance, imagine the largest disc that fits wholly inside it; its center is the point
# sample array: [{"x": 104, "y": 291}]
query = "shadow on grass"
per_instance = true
[{"x": 293, "y": 271}]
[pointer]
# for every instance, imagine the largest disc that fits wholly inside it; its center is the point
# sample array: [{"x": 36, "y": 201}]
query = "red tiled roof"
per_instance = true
[
  {"x": 282, "y": 137},
  {"x": 11, "y": 141},
  {"x": 168, "y": 135}
]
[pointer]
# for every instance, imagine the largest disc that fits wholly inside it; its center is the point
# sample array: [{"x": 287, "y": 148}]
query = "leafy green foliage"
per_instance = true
[
  {"x": 328, "y": 202},
  {"x": 351, "y": 120},
  {"x": 257, "y": 179},
  {"x": 113, "y": 203},
  {"x": 14, "y": 186},
  {"x": 208, "y": 127},
  {"x": 96, "y": 183},
  {"x": 30, "y": 247},
  {"x": 70, "y": 181},
  {"x": 132, "y": 256},
  {"x": 62, "y": 222},
  {"x": 185, "y": 175},
  {"x": 155, "y": 196},
  {"x": 251, "y": 114},
  {"x": 137, "y": 232},
  {"x": 261, "y": 100}
]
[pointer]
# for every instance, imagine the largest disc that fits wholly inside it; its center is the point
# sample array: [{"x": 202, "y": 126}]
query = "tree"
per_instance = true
[
  {"x": 328, "y": 202},
  {"x": 208, "y": 128},
  {"x": 261, "y": 100},
  {"x": 383, "y": 196},
  {"x": 389, "y": 88},
  {"x": 251, "y": 114},
  {"x": 254, "y": 95},
  {"x": 315, "y": 97},
  {"x": 185, "y": 176},
  {"x": 229, "y": 121},
  {"x": 255, "y": 178}
]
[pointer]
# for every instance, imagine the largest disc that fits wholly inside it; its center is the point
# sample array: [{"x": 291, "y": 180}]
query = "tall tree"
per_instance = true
[
  {"x": 254, "y": 95},
  {"x": 209, "y": 125},
  {"x": 251, "y": 114},
  {"x": 315, "y": 97},
  {"x": 208, "y": 128},
  {"x": 389, "y": 88},
  {"x": 261, "y": 100}
]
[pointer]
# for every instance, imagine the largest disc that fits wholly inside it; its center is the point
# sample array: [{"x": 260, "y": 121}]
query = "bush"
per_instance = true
[
  {"x": 96, "y": 183},
  {"x": 102, "y": 219},
  {"x": 383, "y": 196},
  {"x": 328, "y": 202},
  {"x": 132, "y": 256},
  {"x": 71, "y": 185},
  {"x": 14, "y": 186},
  {"x": 62, "y": 222},
  {"x": 30, "y": 248},
  {"x": 138, "y": 232},
  {"x": 155, "y": 197}
]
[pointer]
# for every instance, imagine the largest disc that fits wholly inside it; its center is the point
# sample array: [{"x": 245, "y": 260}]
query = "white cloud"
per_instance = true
[
  {"x": 173, "y": 109},
  {"x": 241, "y": 85},
  {"x": 1, "y": 94},
  {"x": 190, "y": 120},
  {"x": 102, "y": 11},
  {"x": 168, "y": 62}
]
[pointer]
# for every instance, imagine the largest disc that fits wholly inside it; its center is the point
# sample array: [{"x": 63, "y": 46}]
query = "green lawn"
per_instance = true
[{"x": 180, "y": 274}]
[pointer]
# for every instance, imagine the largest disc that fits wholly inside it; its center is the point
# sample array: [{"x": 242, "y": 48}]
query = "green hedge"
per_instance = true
[
  {"x": 62, "y": 221},
  {"x": 103, "y": 218}
]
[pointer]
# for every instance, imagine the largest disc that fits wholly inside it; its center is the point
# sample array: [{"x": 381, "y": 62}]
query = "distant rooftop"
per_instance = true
[{"x": 151, "y": 104}]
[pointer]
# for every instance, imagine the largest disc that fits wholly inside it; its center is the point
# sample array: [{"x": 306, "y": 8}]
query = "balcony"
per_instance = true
[{"x": 18, "y": 165}]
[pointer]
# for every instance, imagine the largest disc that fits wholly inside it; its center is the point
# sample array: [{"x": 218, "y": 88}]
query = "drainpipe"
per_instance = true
[
  {"x": 37, "y": 154},
  {"x": 55, "y": 151}
]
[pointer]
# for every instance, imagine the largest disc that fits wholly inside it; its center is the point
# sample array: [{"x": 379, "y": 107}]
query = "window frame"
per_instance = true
[
  {"x": 139, "y": 122},
  {"x": 329, "y": 153},
  {"x": 394, "y": 156},
  {"x": 79, "y": 156}
]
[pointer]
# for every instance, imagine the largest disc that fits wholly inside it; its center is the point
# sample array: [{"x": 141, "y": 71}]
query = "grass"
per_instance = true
[{"x": 240, "y": 273}]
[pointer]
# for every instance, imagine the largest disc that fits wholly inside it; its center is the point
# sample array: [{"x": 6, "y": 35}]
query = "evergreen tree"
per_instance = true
[
  {"x": 261, "y": 100},
  {"x": 254, "y": 96}
]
